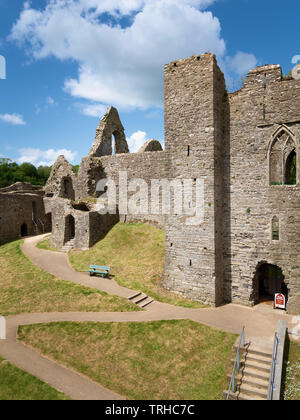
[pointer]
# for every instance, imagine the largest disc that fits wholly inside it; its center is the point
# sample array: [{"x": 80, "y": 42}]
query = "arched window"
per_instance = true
[
  {"x": 282, "y": 154},
  {"x": 275, "y": 229},
  {"x": 67, "y": 190},
  {"x": 291, "y": 168}
]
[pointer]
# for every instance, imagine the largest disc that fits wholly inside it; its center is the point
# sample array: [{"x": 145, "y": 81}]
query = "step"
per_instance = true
[
  {"x": 135, "y": 295},
  {"x": 259, "y": 358},
  {"x": 265, "y": 354},
  {"x": 255, "y": 365},
  {"x": 257, "y": 382},
  {"x": 257, "y": 374},
  {"x": 147, "y": 303},
  {"x": 140, "y": 299},
  {"x": 253, "y": 392},
  {"x": 245, "y": 397}
]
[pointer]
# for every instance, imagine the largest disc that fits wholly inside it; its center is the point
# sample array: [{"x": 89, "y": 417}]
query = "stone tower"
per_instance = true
[{"x": 195, "y": 106}]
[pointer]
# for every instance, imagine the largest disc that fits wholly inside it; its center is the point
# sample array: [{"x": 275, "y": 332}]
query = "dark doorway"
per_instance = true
[
  {"x": 69, "y": 228},
  {"x": 24, "y": 230},
  {"x": 48, "y": 222},
  {"x": 270, "y": 280}
]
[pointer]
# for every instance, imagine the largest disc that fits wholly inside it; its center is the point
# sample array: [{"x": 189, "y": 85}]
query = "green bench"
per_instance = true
[{"x": 99, "y": 269}]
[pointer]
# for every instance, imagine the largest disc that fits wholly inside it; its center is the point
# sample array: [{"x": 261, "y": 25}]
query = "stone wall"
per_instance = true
[
  {"x": 238, "y": 145},
  {"x": 22, "y": 214},
  {"x": 266, "y": 105}
]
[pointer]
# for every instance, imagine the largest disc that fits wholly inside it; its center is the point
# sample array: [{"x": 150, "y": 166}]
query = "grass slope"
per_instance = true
[
  {"x": 15, "y": 384},
  {"x": 291, "y": 372},
  {"x": 136, "y": 254},
  {"x": 26, "y": 288},
  {"x": 153, "y": 360}
]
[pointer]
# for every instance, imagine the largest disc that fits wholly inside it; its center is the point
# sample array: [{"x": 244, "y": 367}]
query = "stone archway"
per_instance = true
[{"x": 268, "y": 280}]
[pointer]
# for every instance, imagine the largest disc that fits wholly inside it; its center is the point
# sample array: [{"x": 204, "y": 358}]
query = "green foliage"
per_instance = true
[
  {"x": 76, "y": 169},
  {"x": 11, "y": 172}
]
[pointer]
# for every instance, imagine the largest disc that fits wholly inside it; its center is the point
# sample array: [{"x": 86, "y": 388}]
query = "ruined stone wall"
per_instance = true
[
  {"x": 16, "y": 210},
  {"x": 265, "y": 104},
  {"x": 146, "y": 166}
]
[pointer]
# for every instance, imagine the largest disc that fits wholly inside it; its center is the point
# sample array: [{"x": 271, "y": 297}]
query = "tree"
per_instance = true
[{"x": 11, "y": 172}]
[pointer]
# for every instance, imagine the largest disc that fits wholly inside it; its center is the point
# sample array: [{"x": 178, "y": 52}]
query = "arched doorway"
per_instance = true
[
  {"x": 69, "y": 228},
  {"x": 269, "y": 280},
  {"x": 24, "y": 230}
]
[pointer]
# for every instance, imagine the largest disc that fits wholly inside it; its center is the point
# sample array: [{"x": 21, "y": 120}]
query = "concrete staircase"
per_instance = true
[
  {"x": 253, "y": 379},
  {"x": 141, "y": 299},
  {"x": 68, "y": 246}
]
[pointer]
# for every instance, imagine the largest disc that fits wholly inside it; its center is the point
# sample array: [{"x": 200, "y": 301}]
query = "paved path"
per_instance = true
[{"x": 260, "y": 322}]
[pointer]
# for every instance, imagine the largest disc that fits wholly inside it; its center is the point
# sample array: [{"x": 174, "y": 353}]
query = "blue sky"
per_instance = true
[{"x": 68, "y": 60}]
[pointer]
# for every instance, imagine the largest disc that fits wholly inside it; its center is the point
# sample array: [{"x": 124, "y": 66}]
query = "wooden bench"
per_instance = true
[{"x": 99, "y": 269}]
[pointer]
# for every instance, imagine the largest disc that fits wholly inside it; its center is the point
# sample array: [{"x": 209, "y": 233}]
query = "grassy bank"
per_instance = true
[
  {"x": 291, "y": 372},
  {"x": 153, "y": 360},
  {"x": 136, "y": 254},
  {"x": 15, "y": 384},
  {"x": 26, "y": 288},
  {"x": 45, "y": 244}
]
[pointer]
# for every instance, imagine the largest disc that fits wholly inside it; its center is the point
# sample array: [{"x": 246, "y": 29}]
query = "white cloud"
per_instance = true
[
  {"x": 50, "y": 101},
  {"x": 295, "y": 59},
  {"x": 123, "y": 66},
  {"x": 136, "y": 141},
  {"x": 241, "y": 63},
  {"x": 44, "y": 157},
  {"x": 93, "y": 110},
  {"x": 117, "y": 65},
  {"x": 14, "y": 119}
]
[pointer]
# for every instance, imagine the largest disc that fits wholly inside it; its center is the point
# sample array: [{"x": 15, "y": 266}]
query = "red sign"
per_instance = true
[{"x": 280, "y": 302}]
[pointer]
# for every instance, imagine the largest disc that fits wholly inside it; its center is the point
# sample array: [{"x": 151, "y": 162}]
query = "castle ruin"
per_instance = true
[{"x": 244, "y": 145}]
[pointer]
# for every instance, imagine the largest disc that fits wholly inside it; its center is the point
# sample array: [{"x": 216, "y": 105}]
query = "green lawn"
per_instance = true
[
  {"x": 291, "y": 372},
  {"x": 135, "y": 253},
  {"x": 45, "y": 244},
  {"x": 26, "y": 288},
  {"x": 15, "y": 384},
  {"x": 141, "y": 361}
]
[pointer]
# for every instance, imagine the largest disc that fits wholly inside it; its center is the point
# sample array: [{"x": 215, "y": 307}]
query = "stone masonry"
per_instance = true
[{"x": 241, "y": 144}]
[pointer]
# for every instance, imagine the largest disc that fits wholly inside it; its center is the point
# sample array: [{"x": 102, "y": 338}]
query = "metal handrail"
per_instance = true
[
  {"x": 274, "y": 363},
  {"x": 236, "y": 366}
]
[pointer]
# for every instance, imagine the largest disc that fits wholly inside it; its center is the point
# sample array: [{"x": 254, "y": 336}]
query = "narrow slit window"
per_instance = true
[
  {"x": 275, "y": 229},
  {"x": 188, "y": 151}
]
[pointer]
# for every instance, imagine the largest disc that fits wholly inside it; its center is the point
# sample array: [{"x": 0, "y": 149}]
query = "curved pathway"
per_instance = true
[{"x": 260, "y": 323}]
